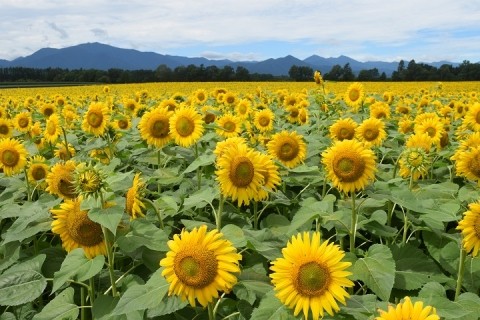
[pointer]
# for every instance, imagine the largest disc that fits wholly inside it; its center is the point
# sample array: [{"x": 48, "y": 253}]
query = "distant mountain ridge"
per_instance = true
[{"x": 103, "y": 57}]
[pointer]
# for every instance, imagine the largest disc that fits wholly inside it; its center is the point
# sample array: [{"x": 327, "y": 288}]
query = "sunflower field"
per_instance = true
[{"x": 238, "y": 201}]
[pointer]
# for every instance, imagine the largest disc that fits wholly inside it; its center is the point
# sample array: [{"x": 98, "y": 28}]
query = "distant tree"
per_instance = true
[
  {"x": 242, "y": 74},
  {"x": 335, "y": 73},
  {"x": 164, "y": 73},
  {"x": 369, "y": 75},
  {"x": 347, "y": 74},
  {"x": 300, "y": 73}
]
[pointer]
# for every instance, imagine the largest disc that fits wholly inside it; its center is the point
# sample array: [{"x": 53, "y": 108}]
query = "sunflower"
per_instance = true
[
  {"x": 60, "y": 179},
  {"x": 89, "y": 181},
  {"x": 96, "y": 118},
  {"x": 408, "y": 310},
  {"x": 468, "y": 164},
  {"x": 200, "y": 96},
  {"x": 419, "y": 140},
  {"x": 230, "y": 99},
  {"x": 371, "y": 132},
  {"x": 380, "y": 110},
  {"x": 243, "y": 108},
  {"x": 48, "y": 109},
  {"x": 469, "y": 226},
  {"x": 472, "y": 117},
  {"x": 52, "y": 129},
  {"x": 343, "y": 129},
  {"x": 23, "y": 121},
  {"x": 354, "y": 95},
  {"x": 415, "y": 163},
  {"x": 470, "y": 141},
  {"x": 37, "y": 171},
  {"x": 303, "y": 116},
  {"x": 263, "y": 120},
  {"x": 405, "y": 125},
  {"x": 122, "y": 122},
  {"x": 317, "y": 77},
  {"x": 227, "y": 143},
  {"x": 76, "y": 230},
  {"x": 6, "y": 128},
  {"x": 228, "y": 126},
  {"x": 131, "y": 106},
  {"x": 239, "y": 173},
  {"x": 186, "y": 126},
  {"x": 271, "y": 178},
  {"x": 293, "y": 113},
  {"x": 431, "y": 126},
  {"x": 13, "y": 156},
  {"x": 311, "y": 276},
  {"x": 403, "y": 109},
  {"x": 62, "y": 153},
  {"x": 134, "y": 205},
  {"x": 154, "y": 127},
  {"x": 288, "y": 147},
  {"x": 169, "y": 104},
  {"x": 200, "y": 264},
  {"x": 349, "y": 165}
]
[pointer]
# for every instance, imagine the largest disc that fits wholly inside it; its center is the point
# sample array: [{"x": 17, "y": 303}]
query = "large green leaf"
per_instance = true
[
  {"x": 202, "y": 160},
  {"x": 61, "y": 307},
  {"x": 271, "y": 308},
  {"x": 78, "y": 267},
  {"x": 310, "y": 209},
  {"x": 142, "y": 297},
  {"x": 377, "y": 270},
  {"x": 9, "y": 254},
  {"x": 200, "y": 198},
  {"x": 235, "y": 235},
  {"x": 19, "y": 287},
  {"x": 168, "y": 306},
  {"x": 108, "y": 217},
  {"x": 143, "y": 233}
]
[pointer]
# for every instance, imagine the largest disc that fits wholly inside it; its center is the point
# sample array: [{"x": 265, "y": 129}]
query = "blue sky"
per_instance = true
[{"x": 366, "y": 30}]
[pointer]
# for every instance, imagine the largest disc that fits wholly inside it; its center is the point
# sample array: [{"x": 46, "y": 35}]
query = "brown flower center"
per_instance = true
[
  {"x": 209, "y": 118},
  {"x": 195, "y": 267},
  {"x": 66, "y": 188},
  {"x": 4, "y": 129},
  {"x": 122, "y": 123},
  {"x": 354, "y": 95},
  {"x": 371, "y": 134},
  {"x": 10, "y": 158},
  {"x": 229, "y": 126},
  {"x": 264, "y": 121},
  {"x": 474, "y": 165},
  {"x": 241, "y": 172},
  {"x": 23, "y": 122},
  {"x": 160, "y": 129},
  {"x": 431, "y": 131},
  {"x": 95, "y": 119},
  {"x": 83, "y": 230},
  {"x": 288, "y": 149},
  {"x": 312, "y": 279},
  {"x": 348, "y": 168},
  {"x": 346, "y": 134},
  {"x": 185, "y": 126},
  {"x": 38, "y": 172}
]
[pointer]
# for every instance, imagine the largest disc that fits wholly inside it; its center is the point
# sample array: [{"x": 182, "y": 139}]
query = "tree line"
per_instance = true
[{"x": 412, "y": 71}]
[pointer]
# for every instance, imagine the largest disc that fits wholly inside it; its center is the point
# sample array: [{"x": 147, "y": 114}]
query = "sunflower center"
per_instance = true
[
  {"x": 312, "y": 279},
  {"x": 477, "y": 117},
  {"x": 66, "y": 188},
  {"x": 4, "y": 129},
  {"x": 264, "y": 121},
  {"x": 431, "y": 131},
  {"x": 48, "y": 112},
  {"x": 242, "y": 109},
  {"x": 294, "y": 113},
  {"x": 51, "y": 127},
  {"x": 122, "y": 124},
  {"x": 209, "y": 118},
  {"x": 474, "y": 165},
  {"x": 196, "y": 267},
  {"x": 159, "y": 129},
  {"x": 84, "y": 231},
  {"x": 348, "y": 168},
  {"x": 346, "y": 133},
  {"x": 95, "y": 119},
  {"x": 38, "y": 173},
  {"x": 229, "y": 126},
  {"x": 23, "y": 122},
  {"x": 242, "y": 172},
  {"x": 371, "y": 134},
  {"x": 381, "y": 114},
  {"x": 230, "y": 99},
  {"x": 185, "y": 126},
  {"x": 288, "y": 150},
  {"x": 10, "y": 158},
  {"x": 354, "y": 94},
  {"x": 201, "y": 96}
]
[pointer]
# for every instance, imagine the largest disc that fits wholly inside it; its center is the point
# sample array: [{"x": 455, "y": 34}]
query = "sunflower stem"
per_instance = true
[
  {"x": 157, "y": 212},
  {"x": 82, "y": 303},
  {"x": 110, "y": 255},
  {"x": 67, "y": 151},
  {"x": 353, "y": 224},
  {"x": 461, "y": 271},
  {"x": 211, "y": 311},
  {"x": 91, "y": 290},
  {"x": 218, "y": 214},
  {"x": 29, "y": 196}
]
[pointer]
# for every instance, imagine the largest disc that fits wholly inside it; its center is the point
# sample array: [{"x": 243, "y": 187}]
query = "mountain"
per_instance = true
[{"x": 103, "y": 57}]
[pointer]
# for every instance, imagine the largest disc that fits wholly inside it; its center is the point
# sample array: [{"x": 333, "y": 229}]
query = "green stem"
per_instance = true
[
  {"x": 91, "y": 290},
  {"x": 405, "y": 227},
  {"x": 82, "y": 303},
  {"x": 29, "y": 196},
  {"x": 67, "y": 151},
  {"x": 461, "y": 269},
  {"x": 199, "y": 171},
  {"x": 211, "y": 312},
  {"x": 353, "y": 225},
  {"x": 324, "y": 187},
  {"x": 157, "y": 211},
  {"x": 110, "y": 255},
  {"x": 255, "y": 215},
  {"x": 218, "y": 214}
]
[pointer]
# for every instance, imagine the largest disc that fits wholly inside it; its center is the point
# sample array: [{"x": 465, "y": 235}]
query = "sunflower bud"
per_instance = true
[{"x": 89, "y": 181}]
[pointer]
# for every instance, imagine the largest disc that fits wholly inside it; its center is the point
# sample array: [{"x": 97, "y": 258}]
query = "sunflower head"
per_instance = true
[
  {"x": 6, "y": 128},
  {"x": 414, "y": 162},
  {"x": 408, "y": 310},
  {"x": 134, "y": 205},
  {"x": 317, "y": 77},
  {"x": 288, "y": 147},
  {"x": 155, "y": 127},
  {"x": 60, "y": 180},
  {"x": 199, "y": 265},
  {"x": 37, "y": 170},
  {"x": 96, "y": 118},
  {"x": 13, "y": 156},
  {"x": 354, "y": 95},
  {"x": 89, "y": 181},
  {"x": 343, "y": 129},
  {"x": 469, "y": 226},
  {"x": 311, "y": 276},
  {"x": 186, "y": 126}
]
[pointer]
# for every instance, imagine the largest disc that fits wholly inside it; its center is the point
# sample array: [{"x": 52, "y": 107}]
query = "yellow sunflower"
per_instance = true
[
  {"x": 131, "y": 106},
  {"x": 271, "y": 178},
  {"x": 37, "y": 171},
  {"x": 76, "y": 230},
  {"x": 414, "y": 163},
  {"x": 354, "y": 95},
  {"x": 288, "y": 147},
  {"x": 405, "y": 125},
  {"x": 200, "y": 264},
  {"x": 343, "y": 129},
  {"x": 13, "y": 156},
  {"x": 239, "y": 173},
  {"x": 96, "y": 119},
  {"x": 6, "y": 128},
  {"x": 431, "y": 126},
  {"x": 472, "y": 117},
  {"x": 349, "y": 165},
  {"x": 169, "y": 104},
  {"x": 122, "y": 122},
  {"x": 419, "y": 140},
  {"x": 62, "y": 153},
  {"x": 227, "y": 143},
  {"x": 155, "y": 127},
  {"x": 186, "y": 127},
  {"x": 48, "y": 109},
  {"x": 469, "y": 226},
  {"x": 468, "y": 164},
  {"x": 242, "y": 109},
  {"x": 60, "y": 179},
  {"x": 470, "y": 141},
  {"x": 311, "y": 276},
  {"x": 52, "y": 129},
  {"x": 379, "y": 110},
  {"x": 23, "y": 121},
  {"x": 371, "y": 132},
  {"x": 200, "y": 96},
  {"x": 303, "y": 116},
  {"x": 408, "y": 310},
  {"x": 134, "y": 205},
  {"x": 293, "y": 113},
  {"x": 230, "y": 99},
  {"x": 228, "y": 126},
  {"x": 263, "y": 120},
  {"x": 317, "y": 77}
]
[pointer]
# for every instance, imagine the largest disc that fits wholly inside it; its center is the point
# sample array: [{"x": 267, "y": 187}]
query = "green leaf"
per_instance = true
[
  {"x": 78, "y": 267},
  {"x": 169, "y": 305},
  {"x": 434, "y": 294},
  {"x": 141, "y": 297},
  {"x": 167, "y": 204},
  {"x": 61, "y": 307},
  {"x": 9, "y": 254},
  {"x": 19, "y": 287},
  {"x": 201, "y": 161},
  {"x": 200, "y": 198},
  {"x": 469, "y": 302},
  {"x": 235, "y": 235},
  {"x": 108, "y": 217},
  {"x": 167, "y": 176},
  {"x": 34, "y": 264},
  {"x": 34, "y": 218},
  {"x": 310, "y": 208},
  {"x": 8, "y": 316},
  {"x": 377, "y": 270},
  {"x": 103, "y": 307},
  {"x": 143, "y": 233},
  {"x": 363, "y": 307},
  {"x": 271, "y": 308}
]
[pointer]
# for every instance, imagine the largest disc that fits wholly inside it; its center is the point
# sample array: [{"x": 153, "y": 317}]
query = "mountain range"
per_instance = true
[{"x": 103, "y": 57}]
